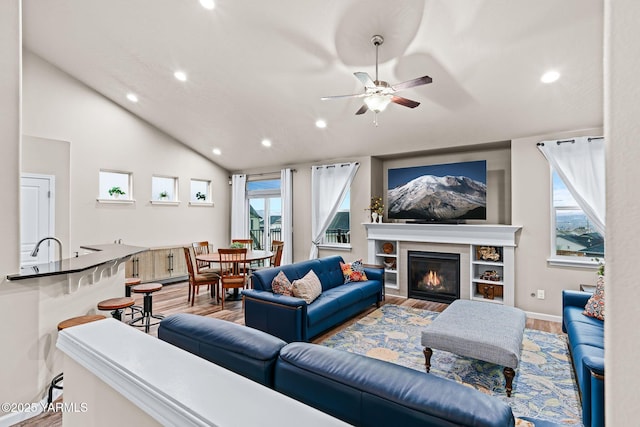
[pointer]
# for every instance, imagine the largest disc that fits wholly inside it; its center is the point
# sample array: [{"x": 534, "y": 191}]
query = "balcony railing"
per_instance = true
[{"x": 262, "y": 241}]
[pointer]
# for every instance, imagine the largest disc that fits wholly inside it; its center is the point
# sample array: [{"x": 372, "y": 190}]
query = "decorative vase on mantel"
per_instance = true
[
  {"x": 379, "y": 219},
  {"x": 374, "y": 216}
]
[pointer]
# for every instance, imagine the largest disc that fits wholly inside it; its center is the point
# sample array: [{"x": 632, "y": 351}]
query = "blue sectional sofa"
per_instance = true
[
  {"x": 586, "y": 344},
  {"x": 291, "y": 318},
  {"x": 356, "y": 389}
]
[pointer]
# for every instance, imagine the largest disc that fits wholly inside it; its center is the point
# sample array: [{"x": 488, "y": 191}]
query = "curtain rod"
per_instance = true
[
  {"x": 337, "y": 164},
  {"x": 541, "y": 144},
  {"x": 263, "y": 173}
]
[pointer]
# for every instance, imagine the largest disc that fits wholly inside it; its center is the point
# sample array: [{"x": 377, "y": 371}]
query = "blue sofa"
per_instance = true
[
  {"x": 291, "y": 318},
  {"x": 356, "y": 389},
  {"x": 586, "y": 344}
]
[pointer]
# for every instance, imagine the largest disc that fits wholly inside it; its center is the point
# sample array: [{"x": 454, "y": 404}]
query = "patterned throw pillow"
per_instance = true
[
  {"x": 281, "y": 285},
  {"x": 353, "y": 272},
  {"x": 308, "y": 288},
  {"x": 595, "y": 305}
]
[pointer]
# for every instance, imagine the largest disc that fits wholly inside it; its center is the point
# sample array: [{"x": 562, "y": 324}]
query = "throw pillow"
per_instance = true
[
  {"x": 353, "y": 272},
  {"x": 281, "y": 285},
  {"x": 595, "y": 305},
  {"x": 308, "y": 288}
]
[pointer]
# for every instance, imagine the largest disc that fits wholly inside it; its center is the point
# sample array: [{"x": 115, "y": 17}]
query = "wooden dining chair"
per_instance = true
[
  {"x": 248, "y": 243},
  {"x": 277, "y": 246},
  {"x": 203, "y": 267},
  {"x": 196, "y": 280},
  {"x": 233, "y": 275}
]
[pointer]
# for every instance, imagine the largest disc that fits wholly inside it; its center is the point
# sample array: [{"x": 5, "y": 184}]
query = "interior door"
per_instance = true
[{"x": 36, "y": 217}]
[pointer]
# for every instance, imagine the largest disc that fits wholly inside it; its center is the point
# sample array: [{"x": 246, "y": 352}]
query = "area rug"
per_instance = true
[{"x": 544, "y": 386}]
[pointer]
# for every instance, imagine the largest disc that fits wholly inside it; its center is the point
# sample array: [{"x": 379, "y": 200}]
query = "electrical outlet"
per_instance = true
[{"x": 540, "y": 293}]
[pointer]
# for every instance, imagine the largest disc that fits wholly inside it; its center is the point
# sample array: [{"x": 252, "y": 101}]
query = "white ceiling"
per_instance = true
[{"x": 257, "y": 69}]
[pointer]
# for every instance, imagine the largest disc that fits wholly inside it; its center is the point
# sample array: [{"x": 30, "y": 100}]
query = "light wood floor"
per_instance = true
[{"x": 173, "y": 299}]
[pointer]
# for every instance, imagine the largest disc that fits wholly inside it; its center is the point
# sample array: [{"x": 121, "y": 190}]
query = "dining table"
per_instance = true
[{"x": 252, "y": 256}]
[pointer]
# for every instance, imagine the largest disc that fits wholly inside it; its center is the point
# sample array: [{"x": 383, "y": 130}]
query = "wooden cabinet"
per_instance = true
[
  {"x": 140, "y": 266},
  {"x": 158, "y": 264}
]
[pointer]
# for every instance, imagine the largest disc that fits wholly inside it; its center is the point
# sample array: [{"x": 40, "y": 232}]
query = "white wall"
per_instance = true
[
  {"x": 531, "y": 201},
  {"x": 52, "y": 157},
  {"x": 12, "y": 297},
  {"x": 622, "y": 130},
  {"x": 103, "y": 135}
]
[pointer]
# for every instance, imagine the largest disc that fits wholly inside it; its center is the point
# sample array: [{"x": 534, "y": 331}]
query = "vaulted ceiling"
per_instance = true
[{"x": 257, "y": 69}]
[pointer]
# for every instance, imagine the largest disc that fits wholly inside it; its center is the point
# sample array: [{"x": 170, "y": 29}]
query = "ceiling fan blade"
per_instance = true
[
  {"x": 404, "y": 101},
  {"x": 412, "y": 83},
  {"x": 366, "y": 80},
  {"x": 362, "y": 109},
  {"x": 355, "y": 95}
]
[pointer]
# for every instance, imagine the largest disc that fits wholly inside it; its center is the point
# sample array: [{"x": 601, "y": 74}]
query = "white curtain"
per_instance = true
[
  {"x": 580, "y": 162},
  {"x": 286, "y": 194},
  {"x": 239, "y": 218},
  {"x": 329, "y": 185}
]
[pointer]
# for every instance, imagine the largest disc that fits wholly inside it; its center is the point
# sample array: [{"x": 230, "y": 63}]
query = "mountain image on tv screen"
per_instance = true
[{"x": 447, "y": 192}]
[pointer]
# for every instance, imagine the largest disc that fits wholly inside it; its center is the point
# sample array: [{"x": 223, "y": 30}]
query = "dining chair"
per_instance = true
[
  {"x": 233, "y": 275},
  {"x": 277, "y": 246},
  {"x": 248, "y": 243},
  {"x": 196, "y": 280},
  {"x": 203, "y": 267}
]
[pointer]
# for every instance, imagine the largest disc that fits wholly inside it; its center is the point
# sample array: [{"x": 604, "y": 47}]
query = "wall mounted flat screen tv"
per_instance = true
[{"x": 450, "y": 192}]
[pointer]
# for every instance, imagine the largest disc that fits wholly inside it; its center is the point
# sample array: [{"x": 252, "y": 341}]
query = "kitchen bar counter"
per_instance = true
[{"x": 102, "y": 254}]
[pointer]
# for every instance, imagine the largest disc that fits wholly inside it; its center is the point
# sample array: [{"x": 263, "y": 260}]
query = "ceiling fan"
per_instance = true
[{"x": 377, "y": 93}]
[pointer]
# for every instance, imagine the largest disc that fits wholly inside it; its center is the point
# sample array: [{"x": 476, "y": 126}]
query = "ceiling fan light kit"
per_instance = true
[{"x": 378, "y": 93}]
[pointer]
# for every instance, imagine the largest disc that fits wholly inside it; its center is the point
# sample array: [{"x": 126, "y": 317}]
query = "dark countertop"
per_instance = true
[{"x": 102, "y": 255}]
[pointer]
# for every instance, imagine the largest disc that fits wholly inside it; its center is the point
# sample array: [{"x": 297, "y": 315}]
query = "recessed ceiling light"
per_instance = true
[
  {"x": 207, "y": 4},
  {"x": 180, "y": 75},
  {"x": 217, "y": 151},
  {"x": 266, "y": 143},
  {"x": 550, "y": 77},
  {"x": 132, "y": 97},
  {"x": 321, "y": 124}
]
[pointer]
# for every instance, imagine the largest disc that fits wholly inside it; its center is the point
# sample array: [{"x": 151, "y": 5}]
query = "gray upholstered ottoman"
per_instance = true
[{"x": 480, "y": 330}]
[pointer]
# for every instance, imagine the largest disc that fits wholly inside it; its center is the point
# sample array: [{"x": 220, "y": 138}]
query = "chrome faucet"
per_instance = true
[{"x": 35, "y": 251}]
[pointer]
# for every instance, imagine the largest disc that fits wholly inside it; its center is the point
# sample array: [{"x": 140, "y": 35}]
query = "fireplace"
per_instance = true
[{"x": 434, "y": 276}]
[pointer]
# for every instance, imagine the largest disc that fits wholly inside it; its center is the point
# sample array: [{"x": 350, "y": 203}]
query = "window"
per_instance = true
[
  {"x": 200, "y": 191},
  {"x": 340, "y": 227},
  {"x": 115, "y": 186},
  {"x": 573, "y": 235},
  {"x": 265, "y": 212},
  {"x": 164, "y": 189}
]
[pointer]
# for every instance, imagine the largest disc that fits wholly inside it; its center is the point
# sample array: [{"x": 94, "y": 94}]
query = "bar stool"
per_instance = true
[
  {"x": 147, "y": 308},
  {"x": 74, "y": 321},
  {"x": 116, "y": 305},
  {"x": 128, "y": 283}
]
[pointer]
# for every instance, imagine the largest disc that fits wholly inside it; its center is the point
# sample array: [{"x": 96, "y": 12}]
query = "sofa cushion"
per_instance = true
[
  {"x": 574, "y": 314},
  {"x": 308, "y": 288},
  {"x": 331, "y": 272},
  {"x": 323, "y": 307},
  {"x": 241, "y": 349},
  {"x": 281, "y": 285},
  {"x": 369, "y": 392},
  {"x": 584, "y": 333},
  {"x": 595, "y": 304},
  {"x": 353, "y": 271}
]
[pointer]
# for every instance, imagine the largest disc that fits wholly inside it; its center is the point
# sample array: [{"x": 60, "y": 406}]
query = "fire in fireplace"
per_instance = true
[{"x": 434, "y": 276}]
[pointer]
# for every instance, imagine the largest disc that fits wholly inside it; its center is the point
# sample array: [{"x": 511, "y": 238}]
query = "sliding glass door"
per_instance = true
[{"x": 265, "y": 212}]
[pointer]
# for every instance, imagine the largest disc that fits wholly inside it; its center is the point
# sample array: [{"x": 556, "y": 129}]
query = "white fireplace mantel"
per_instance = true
[
  {"x": 464, "y": 237},
  {"x": 465, "y": 234}
]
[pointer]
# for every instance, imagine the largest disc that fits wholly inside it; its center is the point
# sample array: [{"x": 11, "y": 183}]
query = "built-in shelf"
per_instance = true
[
  {"x": 117, "y": 201},
  {"x": 470, "y": 237}
]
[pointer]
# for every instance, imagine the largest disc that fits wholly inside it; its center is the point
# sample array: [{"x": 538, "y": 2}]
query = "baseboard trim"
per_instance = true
[{"x": 543, "y": 316}]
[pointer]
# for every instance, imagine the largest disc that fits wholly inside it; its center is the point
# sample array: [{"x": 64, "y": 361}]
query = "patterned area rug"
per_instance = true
[{"x": 544, "y": 386}]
